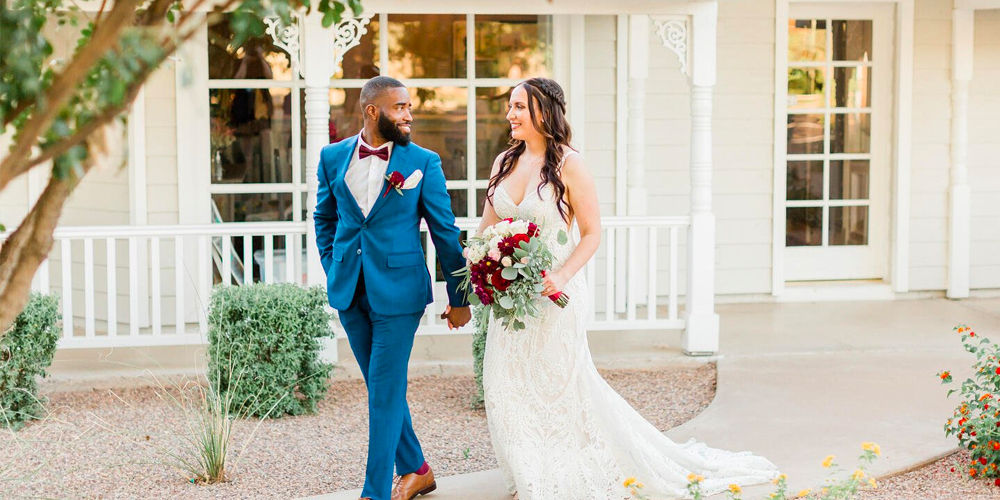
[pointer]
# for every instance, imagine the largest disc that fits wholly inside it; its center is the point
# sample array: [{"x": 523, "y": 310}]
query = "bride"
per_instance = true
[{"x": 558, "y": 430}]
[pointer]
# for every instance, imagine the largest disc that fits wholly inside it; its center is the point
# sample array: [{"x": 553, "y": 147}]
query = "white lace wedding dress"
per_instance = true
[{"x": 559, "y": 431}]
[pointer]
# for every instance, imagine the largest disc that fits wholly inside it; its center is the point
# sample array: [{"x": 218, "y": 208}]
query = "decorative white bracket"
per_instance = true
[
  {"x": 347, "y": 35},
  {"x": 673, "y": 34},
  {"x": 285, "y": 37}
]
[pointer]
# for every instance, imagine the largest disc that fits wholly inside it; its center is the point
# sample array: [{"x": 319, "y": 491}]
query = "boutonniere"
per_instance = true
[{"x": 396, "y": 181}]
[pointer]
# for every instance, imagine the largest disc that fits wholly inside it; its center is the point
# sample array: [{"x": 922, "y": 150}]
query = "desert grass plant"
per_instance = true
[{"x": 25, "y": 354}]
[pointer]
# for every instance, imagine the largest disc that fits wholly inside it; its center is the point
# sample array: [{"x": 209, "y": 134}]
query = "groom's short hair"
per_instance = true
[{"x": 375, "y": 86}]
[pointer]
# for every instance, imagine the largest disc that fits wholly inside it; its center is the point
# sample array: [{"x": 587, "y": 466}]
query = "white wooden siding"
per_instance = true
[{"x": 984, "y": 152}]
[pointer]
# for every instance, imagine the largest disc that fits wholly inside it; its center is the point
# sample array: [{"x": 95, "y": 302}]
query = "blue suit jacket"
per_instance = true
[{"x": 386, "y": 244}]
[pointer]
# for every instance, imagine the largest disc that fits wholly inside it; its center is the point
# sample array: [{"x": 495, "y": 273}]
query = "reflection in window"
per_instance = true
[
  {"x": 427, "y": 46},
  {"x": 803, "y": 226},
  {"x": 257, "y": 59},
  {"x": 848, "y": 225},
  {"x": 250, "y": 135},
  {"x": 362, "y": 62},
  {"x": 492, "y": 127},
  {"x": 805, "y": 134},
  {"x": 253, "y": 207},
  {"x": 806, "y": 40},
  {"x": 439, "y": 124},
  {"x": 513, "y": 46}
]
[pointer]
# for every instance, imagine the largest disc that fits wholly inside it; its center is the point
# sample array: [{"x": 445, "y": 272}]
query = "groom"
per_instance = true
[{"x": 373, "y": 190}]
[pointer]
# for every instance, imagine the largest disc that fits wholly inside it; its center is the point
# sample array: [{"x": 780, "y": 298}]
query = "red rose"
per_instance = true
[
  {"x": 499, "y": 282},
  {"x": 397, "y": 178},
  {"x": 518, "y": 238}
]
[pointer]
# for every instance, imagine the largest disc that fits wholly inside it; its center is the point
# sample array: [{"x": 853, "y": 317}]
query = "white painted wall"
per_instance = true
[
  {"x": 931, "y": 143},
  {"x": 984, "y": 152}
]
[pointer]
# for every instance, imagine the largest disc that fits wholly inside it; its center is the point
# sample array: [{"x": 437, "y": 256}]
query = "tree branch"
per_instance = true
[
  {"x": 107, "y": 114},
  {"x": 61, "y": 90}
]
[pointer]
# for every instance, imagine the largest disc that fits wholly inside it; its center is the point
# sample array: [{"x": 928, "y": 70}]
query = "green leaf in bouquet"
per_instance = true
[
  {"x": 520, "y": 254},
  {"x": 524, "y": 245},
  {"x": 539, "y": 288},
  {"x": 519, "y": 325},
  {"x": 518, "y": 265},
  {"x": 474, "y": 300},
  {"x": 562, "y": 237},
  {"x": 509, "y": 273},
  {"x": 523, "y": 272},
  {"x": 506, "y": 302}
]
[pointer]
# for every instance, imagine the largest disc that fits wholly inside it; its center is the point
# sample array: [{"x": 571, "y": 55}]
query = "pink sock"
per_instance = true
[{"x": 423, "y": 469}]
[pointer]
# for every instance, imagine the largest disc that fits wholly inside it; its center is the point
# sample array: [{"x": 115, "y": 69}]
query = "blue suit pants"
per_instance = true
[{"x": 382, "y": 346}]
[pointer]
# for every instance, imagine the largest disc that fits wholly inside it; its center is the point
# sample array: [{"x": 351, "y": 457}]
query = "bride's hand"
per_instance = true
[{"x": 554, "y": 281}]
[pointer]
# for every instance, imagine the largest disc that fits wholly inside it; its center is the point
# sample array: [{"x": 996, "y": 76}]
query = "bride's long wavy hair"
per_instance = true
[{"x": 547, "y": 108}]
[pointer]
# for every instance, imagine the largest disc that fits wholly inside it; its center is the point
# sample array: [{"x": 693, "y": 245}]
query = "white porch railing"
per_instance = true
[{"x": 150, "y": 285}]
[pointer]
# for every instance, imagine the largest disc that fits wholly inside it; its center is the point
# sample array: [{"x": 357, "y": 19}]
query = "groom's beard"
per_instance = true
[{"x": 391, "y": 132}]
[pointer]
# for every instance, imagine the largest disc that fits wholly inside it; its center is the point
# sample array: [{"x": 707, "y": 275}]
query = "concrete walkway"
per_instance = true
[{"x": 797, "y": 382}]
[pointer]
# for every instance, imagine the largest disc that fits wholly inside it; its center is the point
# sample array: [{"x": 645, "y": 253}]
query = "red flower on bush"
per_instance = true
[
  {"x": 982, "y": 460},
  {"x": 996, "y": 483}
]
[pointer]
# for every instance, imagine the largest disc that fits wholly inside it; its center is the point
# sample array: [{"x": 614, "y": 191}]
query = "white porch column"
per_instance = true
[
  {"x": 638, "y": 195},
  {"x": 701, "y": 335},
  {"x": 317, "y": 68},
  {"x": 959, "y": 203}
]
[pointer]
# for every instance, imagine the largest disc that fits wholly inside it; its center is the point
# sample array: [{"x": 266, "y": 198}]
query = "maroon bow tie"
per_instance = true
[{"x": 365, "y": 152}]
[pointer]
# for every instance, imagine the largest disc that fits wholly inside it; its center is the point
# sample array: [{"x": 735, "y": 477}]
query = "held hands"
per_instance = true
[
  {"x": 457, "y": 316},
  {"x": 554, "y": 282}
]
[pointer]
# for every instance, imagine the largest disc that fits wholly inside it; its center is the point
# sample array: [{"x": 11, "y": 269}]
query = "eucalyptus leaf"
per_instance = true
[
  {"x": 474, "y": 300},
  {"x": 562, "y": 237},
  {"x": 506, "y": 302},
  {"x": 509, "y": 273}
]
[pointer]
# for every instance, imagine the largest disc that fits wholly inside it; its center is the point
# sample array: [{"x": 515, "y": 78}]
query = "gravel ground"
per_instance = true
[
  {"x": 110, "y": 444},
  {"x": 935, "y": 482}
]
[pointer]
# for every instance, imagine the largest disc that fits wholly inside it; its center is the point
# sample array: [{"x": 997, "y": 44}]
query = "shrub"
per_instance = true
[
  {"x": 976, "y": 420},
  {"x": 25, "y": 353},
  {"x": 264, "y": 348}
]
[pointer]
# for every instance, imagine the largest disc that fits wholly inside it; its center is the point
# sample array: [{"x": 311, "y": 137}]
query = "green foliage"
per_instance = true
[
  {"x": 29, "y": 71},
  {"x": 264, "y": 348},
  {"x": 480, "y": 324},
  {"x": 25, "y": 353}
]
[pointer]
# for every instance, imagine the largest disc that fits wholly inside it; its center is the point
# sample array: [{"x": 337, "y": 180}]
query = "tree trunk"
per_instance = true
[{"x": 23, "y": 253}]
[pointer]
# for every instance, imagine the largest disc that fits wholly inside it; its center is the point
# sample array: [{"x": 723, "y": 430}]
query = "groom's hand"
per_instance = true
[{"x": 457, "y": 316}]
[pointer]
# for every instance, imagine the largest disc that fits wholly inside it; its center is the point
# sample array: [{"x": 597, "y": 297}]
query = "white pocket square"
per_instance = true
[{"x": 414, "y": 179}]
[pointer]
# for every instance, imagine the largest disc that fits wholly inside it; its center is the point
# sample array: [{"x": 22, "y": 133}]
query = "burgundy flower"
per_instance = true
[{"x": 499, "y": 282}]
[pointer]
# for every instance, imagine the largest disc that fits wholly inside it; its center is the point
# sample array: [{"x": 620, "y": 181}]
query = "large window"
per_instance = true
[{"x": 459, "y": 90}]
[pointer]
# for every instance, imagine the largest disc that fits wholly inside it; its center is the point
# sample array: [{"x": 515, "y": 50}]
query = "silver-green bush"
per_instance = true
[
  {"x": 26, "y": 351},
  {"x": 264, "y": 345}
]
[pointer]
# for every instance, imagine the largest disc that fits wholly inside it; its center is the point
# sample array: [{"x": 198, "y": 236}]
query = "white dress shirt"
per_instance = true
[{"x": 364, "y": 177}]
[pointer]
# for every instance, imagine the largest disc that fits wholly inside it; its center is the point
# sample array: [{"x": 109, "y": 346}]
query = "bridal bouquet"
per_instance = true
[{"x": 507, "y": 265}]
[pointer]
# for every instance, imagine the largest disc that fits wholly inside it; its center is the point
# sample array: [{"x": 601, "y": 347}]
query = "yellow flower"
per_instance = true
[
  {"x": 824, "y": 490},
  {"x": 692, "y": 478},
  {"x": 735, "y": 488},
  {"x": 640, "y": 485},
  {"x": 872, "y": 482},
  {"x": 629, "y": 482},
  {"x": 877, "y": 450},
  {"x": 780, "y": 478},
  {"x": 701, "y": 478},
  {"x": 828, "y": 461},
  {"x": 774, "y": 495},
  {"x": 804, "y": 493},
  {"x": 858, "y": 475}
]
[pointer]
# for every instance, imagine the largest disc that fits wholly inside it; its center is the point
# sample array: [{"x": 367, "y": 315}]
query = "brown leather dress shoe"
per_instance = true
[{"x": 409, "y": 486}]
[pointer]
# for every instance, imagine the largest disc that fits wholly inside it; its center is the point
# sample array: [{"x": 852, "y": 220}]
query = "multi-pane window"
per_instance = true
[
  {"x": 829, "y": 132},
  {"x": 459, "y": 89}
]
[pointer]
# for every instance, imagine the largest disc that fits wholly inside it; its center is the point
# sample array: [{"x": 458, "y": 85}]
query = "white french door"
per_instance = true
[{"x": 838, "y": 157}]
